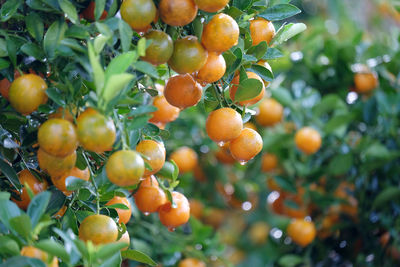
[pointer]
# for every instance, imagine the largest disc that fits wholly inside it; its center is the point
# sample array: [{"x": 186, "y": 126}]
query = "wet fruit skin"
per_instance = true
[
  {"x": 27, "y": 93},
  {"x": 261, "y": 30},
  {"x": 95, "y": 131},
  {"x": 270, "y": 112},
  {"x": 365, "y": 82},
  {"x": 302, "y": 232},
  {"x": 124, "y": 215},
  {"x": 252, "y": 101},
  {"x": 182, "y": 91},
  {"x": 99, "y": 229},
  {"x": 32, "y": 252},
  {"x": 224, "y": 125},
  {"x": 160, "y": 49},
  {"x": 173, "y": 217},
  {"x": 59, "y": 181},
  {"x": 149, "y": 197},
  {"x": 125, "y": 168},
  {"x": 58, "y": 137},
  {"x": 213, "y": 70},
  {"x": 223, "y": 155},
  {"x": 269, "y": 162},
  {"x": 138, "y": 13},
  {"x": 25, "y": 176},
  {"x": 189, "y": 55},
  {"x": 308, "y": 140},
  {"x": 185, "y": 158},
  {"x": 220, "y": 34},
  {"x": 177, "y": 12},
  {"x": 191, "y": 262},
  {"x": 165, "y": 111},
  {"x": 5, "y": 85},
  {"x": 155, "y": 152},
  {"x": 211, "y": 5},
  {"x": 55, "y": 166},
  {"x": 246, "y": 146}
]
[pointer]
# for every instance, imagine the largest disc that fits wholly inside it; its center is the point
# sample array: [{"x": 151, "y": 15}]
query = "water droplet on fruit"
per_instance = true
[
  {"x": 146, "y": 213},
  {"x": 221, "y": 144},
  {"x": 242, "y": 162},
  {"x": 171, "y": 229}
]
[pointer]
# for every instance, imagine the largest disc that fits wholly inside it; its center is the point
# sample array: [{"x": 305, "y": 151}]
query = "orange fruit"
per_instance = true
[
  {"x": 250, "y": 125},
  {"x": 223, "y": 155},
  {"x": 270, "y": 112},
  {"x": 301, "y": 232},
  {"x": 160, "y": 49},
  {"x": 220, "y": 33},
  {"x": 185, "y": 158},
  {"x": 155, "y": 152},
  {"x": 63, "y": 113},
  {"x": 5, "y": 85},
  {"x": 191, "y": 262},
  {"x": 196, "y": 208},
  {"x": 149, "y": 197},
  {"x": 124, "y": 215},
  {"x": 58, "y": 137},
  {"x": 182, "y": 91},
  {"x": 59, "y": 182},
  {"x": 189, "y": 55},
  {"x": 125, "y": 239},
  {"x": 177, "y": 12},
  {"x": 211, "y": 5},
  {"x": 88, "y": 13},
  {"x": 26, "y": 177},
  {"x": 261, "y": 30},
  {"x": 138, "y": 13},
  {"x": 99, "y": 229},
  {"x": 55, "y": 166},
  {"x": 235, "y": 84},
  {"x": 213, "y": 70},
  {"x": 365, "y": 82},
  {"x": 173, "y": 217},
  {"x": 95, "y": 131},
  {"x": 269, "y": 162},
  {"x": 165, "y": 111},
  {"x": 224, "y": 125},
  {"x": 308, "y": 140},
  {"x": 32, "y": 252},
  {"x": 125, "y": 168},
  {"x": 27, "y": 93},
  {"x": 246, "y": 146}
]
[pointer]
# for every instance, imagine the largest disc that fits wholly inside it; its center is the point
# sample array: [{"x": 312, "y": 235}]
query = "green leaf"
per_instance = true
[
  {"x": 109, "y": 250},
  {"x": 288, "y": 31},
  {"x": 53, "y": 36},
  {"x": 146, "y": 68},
  {"x": 259, "y": 50},
  {"x": 99, "y": 8},
  {"x": 4, "y": 64},
  {"x": 377, "y": 151},
  {"x": 279, "y": 12},
  {"x": 73, "y": 183},
  {"x": 9, "y": 8},
  {"x": 340, "y": 164},
  {"x": 141, "y": 47},
  {"x": 33, "y": 50},
  {"x": 248, "y": 89},
  {"x": 55, "y": 95},
  {"x": 37, "y": 207},
  {"x": 120, "y": 64},
  {"x": 22, "y": 262},
  {"x": 8, "y": 210},
  {"x": 272, "y": 53},
  {"x": 3, "y": 48},
  {"x": 138, "y": 256},
  {"x": 387, "y": 195},
  {"x": 125, "y": 33},
  {"x": 69, "y": 10},
  {"x": 22, "y": 225},
  {"x": 290, "y": 260},
  {"x": 10, "y": 173},
  {"x": 115, "y": 84},
  {"x": 8, "y": 246},
  {"x": 53, "y": 248},
  {"x": 140, "y": 110},
  {"x": 114, "y": 260},
  {"x": 12, "y": 50},
  {"x": 97, "y": 69},
  {"x": 263, "y": 72},
  {"x": 99, "y": 42},
  {"x": 167, "y": 171},
  {"x": 35, "y": 26},
  {"x": 117, "y": 206},
  {"x": 337, "y": 122}
]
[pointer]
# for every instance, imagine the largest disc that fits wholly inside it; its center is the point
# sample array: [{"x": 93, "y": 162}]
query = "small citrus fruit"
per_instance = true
[
  {"x": 246, "y": 146},
  {"x": 270, "y": 112},
  {"x": 191, "y": 262},
  {"x": 213, "y": 70},
  {"x": 224, "y": 125},
  {"x": 160, "y": 49},
  {"x": 177, "y": 12},
  {"x": 138, "y": 13},
  {"x": 59, "y": 182},
  {"x": 149, "y": 197},
  {"x": 165, "y": 111},
  {"x": 261, "y": 30},
  {"x": 308, "y": 140},
  {"x": 182, "y": 91},
  {"x": 269, "y": 162},
  {"x": 301, "y": 232},
  {"x": 124, "y": 215},
  {"x": 173, "y": 217},
  {"x": 155, "y": 152},
  {"x": 211, "y": 5},
  {"x": 55, "y": 166},
  {"x": 125, "y": 168},
  {"x": 32, "y": 252},
  {"x": 185, "y": 158},
  {"x": 26, "y": 177},
  {"x": 99, "y": 229},
  {"x": 365, "y": 82}
]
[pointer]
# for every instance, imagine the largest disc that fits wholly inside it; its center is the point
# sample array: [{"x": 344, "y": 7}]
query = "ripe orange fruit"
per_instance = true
[
  {"x": 125, "y": 239},
  {"x": 182, "y": 91},
  {"x": 250, "y": 125},
  {"x": 365, "y": 82},
  {"x": 189, "y": 55},
  {"x": 224, "y": 125},
  {"x": 191, "y": 262},
  {"x": 63, "y": 113},
  {"x": 220, "y": 33},
  {"x": 270, "y": 112},
  {"x": 149, "y": 197},
  {"x": 269, "y": 162},
  {"x": 177, "y": 12},
  {"x": 58, "y": 137},
  {"x": 5, "y": 85},
  {"x": 196, "y": 208},
  {"x": 165, "y": 111},
  {"x": 95, "y": 131},
  {"x": 124, "y": 215},
  {"x": 246, "y": 146},
  {"x": 160, "y": 49},
  {"x": 138, "y": 13},
  {"x": 88, "y": 13},
  {"x": 252, "y": 101},
  {"x": 155, "y": 152},
  {"x": 32, "y": 252},
  {"x": 301, "y": 232},
  {"x": 27, "y": 93},
  {"x": 59, "y": 181},
  {"x": 308, "y": 140},
  {"x": 185, "y": 158},
  {"x": 55, "y": 166},
  {"x": 213, "y": 70},
  {"x": 223, "y": 155},
  {"x": 125, "y": 168},
  {"x": 259, "y": 232},
  {"x": 261, "y": 30},
  {"x": 26, "y": 177},
  {"x": 99, "y": 229},
  {"x": 173, "y": 217},
  {"x": 211, "y": 5}
]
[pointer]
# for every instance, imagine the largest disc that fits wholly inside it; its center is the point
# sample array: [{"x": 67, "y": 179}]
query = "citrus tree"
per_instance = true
[{"x": 90, "y": 91}]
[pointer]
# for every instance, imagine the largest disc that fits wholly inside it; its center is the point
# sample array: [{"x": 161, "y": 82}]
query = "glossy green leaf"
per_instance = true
[
  {"x": 69, "y": 10},
  {"x": 9, "y": 8},
  {"x": 53, "y": 36},
  {"x": 22, "y": 225},
  {"x": 138, "y": 256},
  {"x": 288, "y": 31},
  {"x": 38, "y": 206},
  {"x": 248, "y": 89},
  {"x": 280, "y": 12}
]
